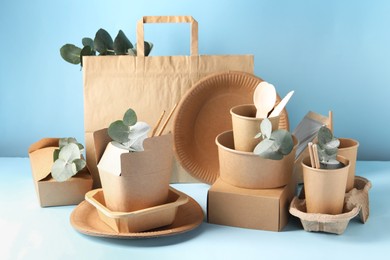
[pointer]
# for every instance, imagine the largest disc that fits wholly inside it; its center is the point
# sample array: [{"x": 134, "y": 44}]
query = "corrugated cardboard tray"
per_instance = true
[{"x": 356, "y": 202}]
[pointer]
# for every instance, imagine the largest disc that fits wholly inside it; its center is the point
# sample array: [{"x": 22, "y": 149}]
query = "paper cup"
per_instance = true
[
  {"x": 349, "y": 149},
  {"x": 246, "y": 126},
  {"x": 325, "y": 189}
]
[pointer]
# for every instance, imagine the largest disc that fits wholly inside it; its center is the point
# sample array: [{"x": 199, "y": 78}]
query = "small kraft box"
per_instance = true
[
  {"x": 263, "y": 209},
  {"x": 51, "y": 192}
]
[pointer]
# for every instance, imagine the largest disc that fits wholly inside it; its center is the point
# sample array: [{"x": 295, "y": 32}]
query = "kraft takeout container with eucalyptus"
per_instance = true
[
  {"x": 143, "y": 180},
  {"x": 51, "y": 192}
]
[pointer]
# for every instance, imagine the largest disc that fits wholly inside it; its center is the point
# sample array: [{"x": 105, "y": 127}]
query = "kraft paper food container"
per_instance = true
[
  {"x": 139, "y": 220},
  {"x": 144, "y": 177},
  {"x": 51, "y": 192},
  {"x": 247, "y": 170},
  {"x": 246, "y": 126},
  {"x": 349, "y": 149},
  {"x": 263, "y": 209},
  {"x": 324, "y": 188}
]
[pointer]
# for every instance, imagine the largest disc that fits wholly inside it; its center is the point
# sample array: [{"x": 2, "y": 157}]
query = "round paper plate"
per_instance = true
[
  {"x": 85, "y": 219},
  {"x": 203, "y": 113}
]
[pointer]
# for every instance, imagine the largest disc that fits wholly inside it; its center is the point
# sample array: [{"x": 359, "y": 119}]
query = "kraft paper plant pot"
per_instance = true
[
  {"x": 349, "y": 149},
  {"x": 144, "y": 177},
  {"x": 248, "y": 170},
  {"x": 324, "y": 188},
  {"x": 246, "y": 126}
]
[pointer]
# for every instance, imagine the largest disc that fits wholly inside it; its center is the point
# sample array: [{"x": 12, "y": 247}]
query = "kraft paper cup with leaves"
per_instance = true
[
  {"x": 246, "y": 126},
  {"x": 325, "y": 188}
]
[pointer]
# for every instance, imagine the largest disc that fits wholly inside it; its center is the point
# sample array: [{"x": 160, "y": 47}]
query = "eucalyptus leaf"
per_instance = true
[
  {"x": 80, "y": 164},
  {"x": 259, "y": 135},
  {"x": 284, "y": 141},
  {"x": 103, "y": 42},
  {"x": 70, "y": 53},
  {"x": 62, "y": 171},
  {"x": 122, "y": 43},
  {"x": 322, "y": 155},
  {"x": 132, "y": 52},
  {"x": 136, "y": 145},
  {"x": 324, "y": 135},
  {"x": 263, "y": 147},
  {"x": 139, "y": 129},
  {"x": 86, "y": 51},
  {"x": 130, "y": 117},
  {"x": 327, "y": 145},
  {"x": 334, "y": 143},
  {"x": 62, "y": 142},
  {"x": 66, "y": 140},
  {"x": 119, "y": 132},
  {"x": 266, "y": 127},
  {"x": 272, "y": 155},
  {"x": 55, "y": 154},
  {"x": 148, "y": 48},
  {"x": 69, "y": 152},
  {"x": 81, "y": 147},
  {"x": 119, "y": 145},
  {"x": 88, "y": 42},
  {"x": 275, "y": 144}
]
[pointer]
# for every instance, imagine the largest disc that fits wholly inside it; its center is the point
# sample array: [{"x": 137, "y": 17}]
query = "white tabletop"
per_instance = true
[{"x": 28, "y": 231}]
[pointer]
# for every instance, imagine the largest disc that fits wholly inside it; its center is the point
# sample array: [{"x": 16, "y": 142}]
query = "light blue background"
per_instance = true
[{"x": 334, "y": 54}]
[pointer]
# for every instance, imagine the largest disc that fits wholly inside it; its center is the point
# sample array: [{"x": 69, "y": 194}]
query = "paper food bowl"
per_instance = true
[
  {"x": 250, "y": 171},
  {"x": 139, "y": 220}
]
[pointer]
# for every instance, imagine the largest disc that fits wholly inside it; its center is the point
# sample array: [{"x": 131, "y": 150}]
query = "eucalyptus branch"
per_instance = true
[{"x": 102, "y": 44}]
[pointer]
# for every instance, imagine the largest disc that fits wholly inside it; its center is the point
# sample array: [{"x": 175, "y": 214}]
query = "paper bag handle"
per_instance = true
[{"x": 167, "y": 19}]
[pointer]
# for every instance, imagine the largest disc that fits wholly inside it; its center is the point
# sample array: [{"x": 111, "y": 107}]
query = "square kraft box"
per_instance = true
[
  {"x": 51, "y": 192},
  {"x": 264, "y": 209}
]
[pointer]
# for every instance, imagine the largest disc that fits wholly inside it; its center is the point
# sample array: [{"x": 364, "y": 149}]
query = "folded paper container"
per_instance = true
[
  {"x": 144, "y": 176},
  {"x": 51, "y": 192},
  {"x": 138, "y": 220}
]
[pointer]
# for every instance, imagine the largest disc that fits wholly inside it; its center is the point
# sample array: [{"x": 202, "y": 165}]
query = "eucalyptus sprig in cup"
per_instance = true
[{"x": 325, "y": 175}]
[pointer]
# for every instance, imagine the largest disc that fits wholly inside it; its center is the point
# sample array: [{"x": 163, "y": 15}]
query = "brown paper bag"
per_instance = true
[{"x": 149, "y": 85}]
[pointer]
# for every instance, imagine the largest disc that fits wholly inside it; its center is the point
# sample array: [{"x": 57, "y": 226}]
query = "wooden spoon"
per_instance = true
[{"x": 264, "y": 99}]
